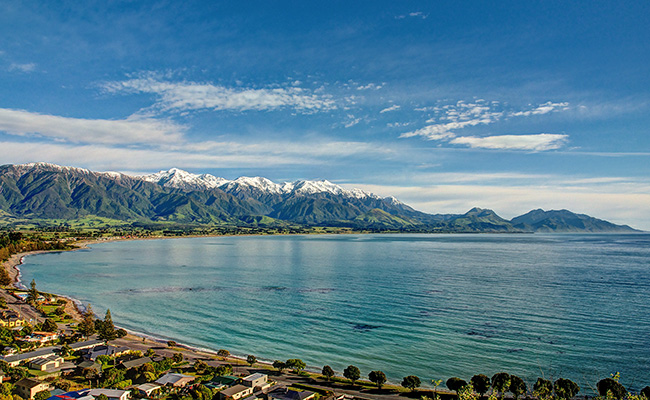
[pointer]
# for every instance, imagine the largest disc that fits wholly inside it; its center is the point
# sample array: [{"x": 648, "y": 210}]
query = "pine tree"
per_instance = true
[
  {"x": 107, "y": 331},
  {"x": 87, "y": 324},
  {"x": 32, "y": 293}
]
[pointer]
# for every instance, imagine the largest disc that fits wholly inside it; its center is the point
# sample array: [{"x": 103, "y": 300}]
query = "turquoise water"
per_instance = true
[{"x": 436, "y": 306}]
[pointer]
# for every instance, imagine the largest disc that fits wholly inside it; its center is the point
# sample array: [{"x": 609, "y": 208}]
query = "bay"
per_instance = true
[{"x": 435, "y": 306}]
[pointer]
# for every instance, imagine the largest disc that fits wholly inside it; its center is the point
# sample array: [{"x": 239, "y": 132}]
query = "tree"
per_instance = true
[
  {"x": 411, "y": 382},
  {"x": 296, "y": 364},
  {"x": 3, "y": 303},
  {"x": 200, "y": 366},
  {"x": 223, "y": 370},
  {"x": 150, "y": 352},
  {"x": 352, "y": 373},
  {"x": 177, "y": 357},
  {"x": 120, "y": 333},
  {"x": 49, "y": 325},
  {"x": 517, "y": 386},
  {"x": 378, "y": 378},
  {"x": 5, "y": 279},
  {"x": 645, "y": 392},
  {"x": 609, "y": 385},
  {"x": 327, "y": 372},
  {"x": 251, "y": 360},
  {"x": 501, "y": 383},
  {"x": 32, "y": 293},
  {"x": 455, "y": 384},
  {"x": 222, "y": 353},
  {"x": 565, "y": 388},
  {"x": 42, "y": 395},
  {"x": 481, "y": 383},
  {"x": 102, "y": 397},
  {"x": 171, "y": 343},
  {"x": 543, "y": 389},
  {"x": 279, "y": 365},
  {"x": 107, "y": 331}
]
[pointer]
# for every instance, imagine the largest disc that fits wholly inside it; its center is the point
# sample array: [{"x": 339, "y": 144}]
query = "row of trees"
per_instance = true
[{"x": 105, "y": 329}]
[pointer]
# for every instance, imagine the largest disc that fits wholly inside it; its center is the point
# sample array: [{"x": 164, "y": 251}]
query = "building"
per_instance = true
[
  {"x": 256, "y": 381},
  {"x": 41, "y": 337},
  {"x": 236, "y": 392},
  {"x": 27, "y": 387},
  {"x": 112, "y": 394},
  {"x": 222, "y": 382},
  {"x": 148, "y": 389},
  {"x": 174, "y": 379},
  {"x": 134, "y": 363},
  {"x": 283, "y": 393},
  {"x": 48, "y": 363},
  {"x": 103, "y": 350},
  {"x": 11, "y": 319}
]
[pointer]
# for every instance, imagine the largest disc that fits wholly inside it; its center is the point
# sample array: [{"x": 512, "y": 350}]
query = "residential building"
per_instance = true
[
  {"x": 48, "y": 363},
  {"x": 256, "y": 381},
  {"x": 112, "y": 394},
  {"x": 148, "y": 389},
  {"x": 27, "y": 387},
  {"x": 236, "y": 392},
  {"x": 283, "y": 393},
  {"x": 174, "y": 379},
  {"x": 134, "y": 363}
]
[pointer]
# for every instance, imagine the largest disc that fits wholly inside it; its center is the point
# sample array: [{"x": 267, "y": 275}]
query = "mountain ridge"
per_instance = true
[{"x": 52, "y": 192}]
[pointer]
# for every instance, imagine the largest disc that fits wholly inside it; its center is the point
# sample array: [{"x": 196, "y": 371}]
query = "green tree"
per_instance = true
[
  {"x": 150, "y": 352},
  {"x": 102, "y": 397},
  {"x": 5, "y": 279},
  {"x": 120, "y": 333},
  {"x": 378, "y": 378},
  {"x": 223, "y": 353},
  {"x": 222, "y": 370},
  {"x": 411, "y": 382},
  {"x": 177, "y": 357},
  {"x": 543, "y": 389},
  {"x": 609, "y": 385},
  {"x": 481, "y": 384},
  {"x": 296, "y": 364},
  {"x": 565, "y": 388},
  {"x": 328, "y": 372},
  {"x": 645, "y": 392},
  {"x": 251, "y": 360},
  {"x": 42, "y": 395},
  {"x": 455, "y": 384},
  {"x": 501, "y": 383},
  {"x": 279, "y": 365},
  {"x": 87, "y": 325},
  {"x": 517, "y": 386},
  {"x": 200, "y": 366},
  {"x": 107, "y": 331},
  {"x": 352, "y": 373},
  {"x": 49, "y": 325},
  {"x": 32, "y": 293},
  {"x": 171, "y": 343}
]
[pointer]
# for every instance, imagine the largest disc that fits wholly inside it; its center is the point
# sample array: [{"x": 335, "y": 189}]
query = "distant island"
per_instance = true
[{"x": 47, "y": 195}]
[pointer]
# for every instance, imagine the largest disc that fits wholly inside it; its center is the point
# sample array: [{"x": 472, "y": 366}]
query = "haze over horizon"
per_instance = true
[{"x": 510, "y": 106}]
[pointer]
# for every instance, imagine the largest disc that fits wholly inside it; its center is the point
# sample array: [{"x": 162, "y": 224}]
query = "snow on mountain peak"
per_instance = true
[{"x": 179, "y": 179}]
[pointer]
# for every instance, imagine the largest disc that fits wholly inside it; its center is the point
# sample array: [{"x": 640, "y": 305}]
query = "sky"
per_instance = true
[{"x": 446, "y": 105}]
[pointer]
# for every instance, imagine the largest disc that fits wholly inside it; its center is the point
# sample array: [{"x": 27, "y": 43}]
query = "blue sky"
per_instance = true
[{"x": 509, "y": 105}]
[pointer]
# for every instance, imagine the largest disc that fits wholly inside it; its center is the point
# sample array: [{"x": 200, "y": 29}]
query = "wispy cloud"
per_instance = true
[
  {"x": 187, "y": 96},
  {"x": 352, "y": 121},
  {"x": 537, "y": 142},
  {"x": 370, "y": 86},
  {"x": 447, "y": 120},
  {"x": 29, "y": 67},
  {"x": 394, "y": 107},
  {"x": 76, "y": 130},
  {"x": 416, "y": 14}
]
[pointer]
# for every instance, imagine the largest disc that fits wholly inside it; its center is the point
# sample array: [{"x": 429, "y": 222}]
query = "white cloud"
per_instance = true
[
  {"x": 415, "y": 14},
  {"x": 389, "y": 109},
  {"x": 29, "y": 67},
  {"x": 449, "y": 119},
  {"x": 542, "y": 109},
  {"x": 186, "y": 96},
  {"x": 538, "y": 142},
  {"x": 370, "y": 86},
  {"x": 131, "y": 130},
  {"x": 352, "y": 122}
]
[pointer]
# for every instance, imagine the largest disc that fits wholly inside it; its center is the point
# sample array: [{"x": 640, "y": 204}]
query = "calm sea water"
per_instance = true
[{"x": 436, "y": 306}]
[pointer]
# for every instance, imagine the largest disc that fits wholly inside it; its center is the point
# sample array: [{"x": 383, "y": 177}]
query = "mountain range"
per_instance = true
[{"x": 48, "y": 192}]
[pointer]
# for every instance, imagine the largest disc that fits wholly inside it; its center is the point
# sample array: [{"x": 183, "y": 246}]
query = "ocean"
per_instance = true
[{"x": 436, "y": 306}]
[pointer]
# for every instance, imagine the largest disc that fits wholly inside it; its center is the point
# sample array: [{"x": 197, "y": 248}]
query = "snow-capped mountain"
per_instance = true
[{"x": 178, "y": 179}]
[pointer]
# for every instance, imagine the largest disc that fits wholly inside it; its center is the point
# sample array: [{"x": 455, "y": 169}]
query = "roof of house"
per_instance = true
[
  {"x": 110, "y": 393},
  {"x": 284, "y": 393},
  {"x": 225, "y": 379},
  {"x": 145, "y": 387},
  {"x": 87, "y": 343},
  {"x": 234, "y": 390},
  {"x": 77, "y": 394},
  {"x": 32, "y": 354},
  {"x": 172, "y": 378},
  {"x": 47, "y": 360},
  {"x": 135, "y": 363},
  {"x": 254, "y": 377},
  {"x": 29, "y": 383}
]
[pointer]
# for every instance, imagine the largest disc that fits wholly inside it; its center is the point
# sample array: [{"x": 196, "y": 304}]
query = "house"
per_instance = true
[
  {"x": 11, "y": 319},
  {"x": 27, "y": 387},
  {"x": 283, "y": 393},
  {"x": 236, "y": 392},
  {"x": 84, "y": 345},
  {"x": 174, "y": 379},
  {"x": 16, "y": 359},
  {"x": 41, "y": 337},
  {"x": 48, "y": 363},
  {"x": 112, "y": 394},
  {"x": 222, "y": 382},
  {"x": 256, "y": 381},
  {"x": 134, "y": 363},
  {"x": 148, "y": 389},
  {"x": 89, "y": 364},
  {"x": 103, "y": 350}
]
